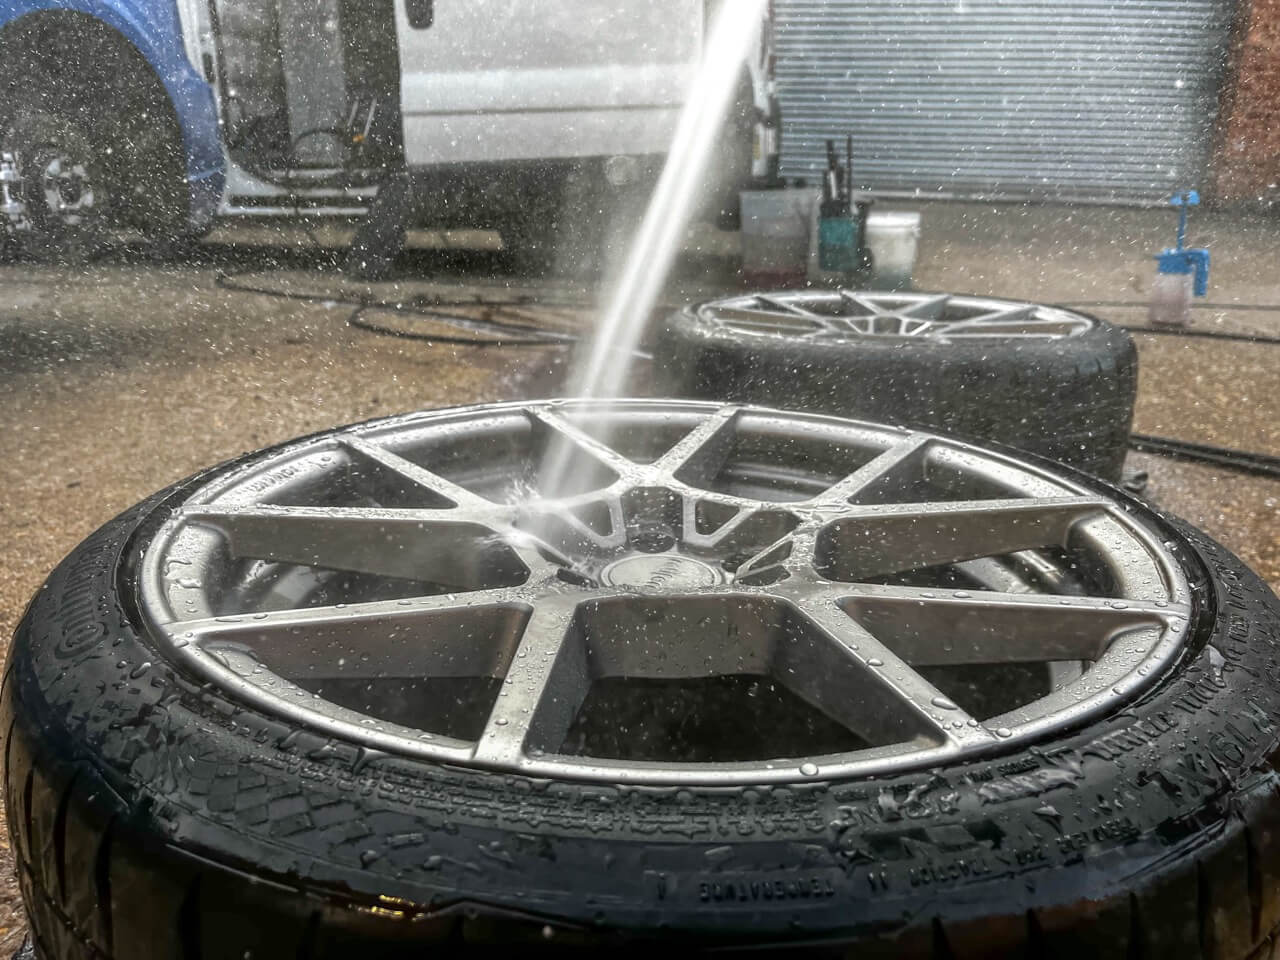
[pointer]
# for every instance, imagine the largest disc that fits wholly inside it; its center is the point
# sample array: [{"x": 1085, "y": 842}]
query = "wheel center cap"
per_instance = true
[{"x": 662, "y": 571}]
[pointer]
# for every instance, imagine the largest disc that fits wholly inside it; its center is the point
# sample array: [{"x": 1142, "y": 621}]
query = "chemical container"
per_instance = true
[{"x": 892, "y": 239}]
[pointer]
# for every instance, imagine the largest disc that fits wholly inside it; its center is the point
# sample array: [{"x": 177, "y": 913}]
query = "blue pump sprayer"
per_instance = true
[{"x": 1181, "y": 272}]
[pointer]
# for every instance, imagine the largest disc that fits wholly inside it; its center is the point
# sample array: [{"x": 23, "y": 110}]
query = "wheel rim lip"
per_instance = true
[
  {"x": 709, "y": 313},
  {"x": 387, "y": 736}
]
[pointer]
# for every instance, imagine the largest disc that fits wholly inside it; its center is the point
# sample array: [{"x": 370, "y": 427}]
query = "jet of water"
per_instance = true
[{"x": 602, "y": 368}]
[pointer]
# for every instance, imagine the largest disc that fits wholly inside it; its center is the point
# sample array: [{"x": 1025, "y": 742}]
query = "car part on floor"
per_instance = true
[
  {"x": 754, "y": 679},
  {"x": 1045, "y": 379}
]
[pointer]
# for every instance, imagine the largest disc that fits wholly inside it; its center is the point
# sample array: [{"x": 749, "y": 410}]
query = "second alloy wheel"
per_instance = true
[{"x": 1044, "y": 379}]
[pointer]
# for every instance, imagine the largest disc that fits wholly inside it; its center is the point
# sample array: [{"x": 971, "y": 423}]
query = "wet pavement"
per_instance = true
[{"x": 119, "y": 379}]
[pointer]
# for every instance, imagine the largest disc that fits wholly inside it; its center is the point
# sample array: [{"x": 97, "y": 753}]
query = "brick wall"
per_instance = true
[{"x": 1247, "y": 160}]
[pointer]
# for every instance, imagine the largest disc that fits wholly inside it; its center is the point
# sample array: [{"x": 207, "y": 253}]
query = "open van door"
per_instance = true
[{"x": 490, "y": 80}]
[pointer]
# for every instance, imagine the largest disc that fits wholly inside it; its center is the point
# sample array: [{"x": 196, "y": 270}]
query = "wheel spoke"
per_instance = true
[
  {"x": 545, "y": 685},
  {"x": 567, "y": 436},
  {"x": 931, "y": 308},
  {"x": 1022, "y": 313},
  {"x": 768, "y": 320},
  {"x": 786, "y": 306},
  {"x": 856, "y": 679},
  {"x": 905, "y": 454},
  {"x": 861, "y": 300},
  {"x": 1013, "y": 330},
  {"x": 405, "y": 608},
  {"x": 565, "y": 533},
  {"x": 428, "y": 546},
  {"x": 443, "y": 635},
  {"x": 701, "y": 453},
  {"x": 458, "y": 495},
  {"x": 769, "y": 556},
  {"x": 934, "y": 628},
  {"x": 891, "y": 538}
]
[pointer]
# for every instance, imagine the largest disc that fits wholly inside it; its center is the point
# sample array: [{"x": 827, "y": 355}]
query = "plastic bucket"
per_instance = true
[
  {"x": 893, "y": 239},
  {"x": 775, "y": 235}
]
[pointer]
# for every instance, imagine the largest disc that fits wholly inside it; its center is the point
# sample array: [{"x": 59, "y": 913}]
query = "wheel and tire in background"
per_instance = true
[
  {"x": 1044, "y": 379},
  {"x": 96, "y": 155},
  {"x": 751, "y": 679}
]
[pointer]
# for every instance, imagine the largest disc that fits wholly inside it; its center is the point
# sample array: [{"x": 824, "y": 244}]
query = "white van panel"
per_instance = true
[
  {"x": 461, "y": 137},
  {"x": 516, "y": 79}
]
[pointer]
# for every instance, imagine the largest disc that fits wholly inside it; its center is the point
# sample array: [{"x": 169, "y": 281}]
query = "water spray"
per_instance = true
[{"x": 601, "y": 370}]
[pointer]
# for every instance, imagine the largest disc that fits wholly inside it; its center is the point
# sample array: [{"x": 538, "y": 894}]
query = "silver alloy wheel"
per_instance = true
[
  {"x": 851, "y": 563},
  {"x": 846, "y": 314}
]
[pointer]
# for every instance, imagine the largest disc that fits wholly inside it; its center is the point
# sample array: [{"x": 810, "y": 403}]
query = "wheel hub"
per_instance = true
[
  {"x": 67, "y": 188},
  {"x": 900, "y": 599},
  {"x": 661, "y": 572}
]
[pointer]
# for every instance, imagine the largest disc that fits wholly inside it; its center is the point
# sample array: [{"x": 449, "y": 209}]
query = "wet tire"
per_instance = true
[
  {"x": 153, "y": 816},
  {"x": 1068, "y": 399}
]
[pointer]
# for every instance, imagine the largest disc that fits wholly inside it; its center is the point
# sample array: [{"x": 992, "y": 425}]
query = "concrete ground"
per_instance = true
[{"x": 120, "y": 378}]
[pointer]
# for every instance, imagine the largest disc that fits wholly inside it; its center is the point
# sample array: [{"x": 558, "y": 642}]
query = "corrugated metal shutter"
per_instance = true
[{"x": 1041, "y": 98}]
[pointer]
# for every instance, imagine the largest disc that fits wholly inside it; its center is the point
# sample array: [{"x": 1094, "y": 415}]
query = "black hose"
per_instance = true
[
  {"x": 1245, "y": 461},
  {"x": 1203, "y": 334},
  {"x": 501, "y": 332},
  {"x": 1181, "y": 332}
]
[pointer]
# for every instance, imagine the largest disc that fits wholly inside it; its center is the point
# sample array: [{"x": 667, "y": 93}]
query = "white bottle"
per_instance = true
[{"x": 1171, "y": 300}]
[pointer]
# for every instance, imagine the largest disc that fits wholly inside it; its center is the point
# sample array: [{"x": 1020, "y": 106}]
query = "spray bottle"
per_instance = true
[{"x": 1180, "y": 273}]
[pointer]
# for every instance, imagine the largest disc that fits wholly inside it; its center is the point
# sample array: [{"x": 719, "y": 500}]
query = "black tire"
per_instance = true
[
  {"x": 1069, "y": 399},
  {"x": 125, "y": 131},
  {"x": 151, "y": 816}
]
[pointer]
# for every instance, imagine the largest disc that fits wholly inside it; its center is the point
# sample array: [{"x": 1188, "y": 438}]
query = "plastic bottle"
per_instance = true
[{"x": 1170, "y": 300}]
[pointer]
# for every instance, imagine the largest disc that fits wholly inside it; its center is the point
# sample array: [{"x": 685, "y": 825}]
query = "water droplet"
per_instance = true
[
  {"x": 962, "y": 594},
  {"x": 875, "y": 662},
  {"x": 501, "y": 721},
  {"x": 1003, "y": 732},
  {"x": 809, "y": 769}
]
